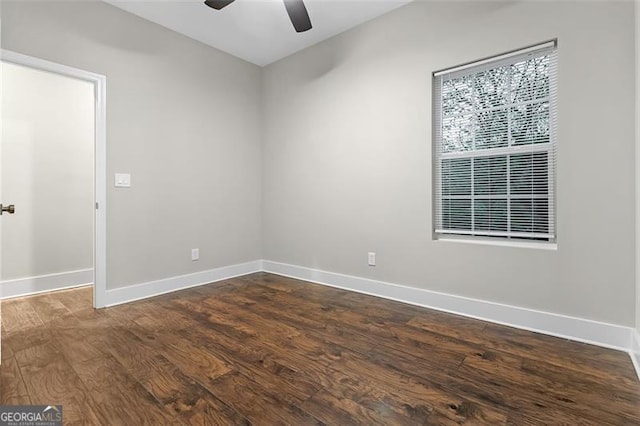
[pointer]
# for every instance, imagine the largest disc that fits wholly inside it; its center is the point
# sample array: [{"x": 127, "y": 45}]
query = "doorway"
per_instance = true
[{"x": 52, "y": 154}]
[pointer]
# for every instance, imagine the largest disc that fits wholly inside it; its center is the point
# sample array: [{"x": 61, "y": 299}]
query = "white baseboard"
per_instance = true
[
  {"x": 33, "y": 285},
  {"x": 127, "y": 294},
  {"x": 598, "y": 333},
  {"x": 583, "y": 330},
  {"x": 635, "y": 352}
]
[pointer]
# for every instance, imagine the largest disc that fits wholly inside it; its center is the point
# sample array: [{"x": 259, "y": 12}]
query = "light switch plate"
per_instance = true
[{"x": 122, "y": 180}]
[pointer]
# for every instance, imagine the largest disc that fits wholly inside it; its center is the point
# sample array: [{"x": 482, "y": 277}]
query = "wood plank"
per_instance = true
[
  {"x": 314, "y": 326},
  {"x": 262, "y": 324},
  {"x": 6, "y": 351},
  {"x": 520, "y": 404},
  {"x": 48, "y": 307},
  {"x": 415, "y": 361},
  {"x": 194, "y": 360},
  {"x": 87, "y": 322},
  {"x": 325, "y": 314},
  {"x": 421, "y": 394},
  {"x": 562, "y": 352},
  {"x": 19, "y": 314},
  {"x": 455, "y": 326},
  {"x": 279, "y": 336},
  {"x": 270, "y": 350},
  {"x": 75, "y": 300},
  {"x": 120, "y": 399},
  {"x": 163, "y": 319},
  {"x": 50, "y": 380},
  {"x": 180, "y": 394},
  {"x": 587, "y": 380},
  {"x": 262, "y": 364},
  {"x": 209, "y": 410},
  {"x": 352, "y": 386},
  {"x": 75, "y": 347},
  {"x": 13, "y": 390},
  {"x": 220, "y": 323},
  {"x": 403, "y": 311},
  {"x": 257, "y": 404},
  {"x": 332, "y": 410},
  {"x": 584, "y": 400},
  {"x": 26, "y": 338}
]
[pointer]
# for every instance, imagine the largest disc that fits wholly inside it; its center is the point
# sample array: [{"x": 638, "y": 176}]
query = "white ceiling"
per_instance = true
[{"x": 258, "y": 31}]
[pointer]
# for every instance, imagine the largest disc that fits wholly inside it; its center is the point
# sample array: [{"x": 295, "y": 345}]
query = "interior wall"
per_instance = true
[
  {"x": 47, "y": 172},
  {"x": 182, "y": 118},
  {"x": 637, "y": 180},
  {"x": 347, "y": 148},
  {"x": 347, "y": 155}
]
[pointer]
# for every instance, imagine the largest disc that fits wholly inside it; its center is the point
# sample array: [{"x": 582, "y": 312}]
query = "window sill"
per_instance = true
[{"x": 515, "y": 244}]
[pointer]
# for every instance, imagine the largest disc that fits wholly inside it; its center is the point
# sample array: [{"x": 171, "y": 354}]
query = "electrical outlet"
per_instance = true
[
  {"x": 372, "y": 259},
  {"x": 195, "y": 254}
]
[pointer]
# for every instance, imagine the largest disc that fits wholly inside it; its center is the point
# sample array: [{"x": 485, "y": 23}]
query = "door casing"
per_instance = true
[{"x": 100, "y": 160}]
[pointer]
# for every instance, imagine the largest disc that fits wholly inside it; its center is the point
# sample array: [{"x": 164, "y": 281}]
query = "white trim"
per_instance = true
[
  {"x": 32, "y": 285},
  {"x": 501, "y": 151},
  {"x": 635, "y": 352},
  {"x": 583, "y": 330},
  {"x": 442, "y": 155},
  {"x": 100, "y": 169},
  {"x": 611, "y": 336},
  {"x": 507, "y": 56},
  {"x": 42, "y": 64},
  {"x": 490, "y": 233},
  {"x": 501, "y": 243},
  {"x": 132, "y": 293}
]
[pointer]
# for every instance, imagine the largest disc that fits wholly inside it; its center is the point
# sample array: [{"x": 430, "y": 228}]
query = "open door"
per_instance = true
[{"x": 52, "y": 178}]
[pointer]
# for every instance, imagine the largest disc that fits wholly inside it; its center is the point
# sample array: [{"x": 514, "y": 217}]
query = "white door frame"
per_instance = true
[{"x": 100, "y": 161}]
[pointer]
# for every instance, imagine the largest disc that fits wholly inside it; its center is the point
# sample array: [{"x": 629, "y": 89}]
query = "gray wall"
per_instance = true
[
  {"x": 637, "y": 181},
  {"x": 182, "y": 118},
  {"x": 47, "y": 172},
  {"x": 347, "y": 155}
]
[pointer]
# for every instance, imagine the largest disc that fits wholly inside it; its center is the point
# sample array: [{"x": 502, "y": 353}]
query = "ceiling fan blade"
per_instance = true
[
  {"x": 218, "y": 4},
  {"x": 298, "y": 15}
]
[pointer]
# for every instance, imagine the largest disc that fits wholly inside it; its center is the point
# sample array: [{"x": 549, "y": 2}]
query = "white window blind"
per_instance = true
[{"x": 495, "y": 147}]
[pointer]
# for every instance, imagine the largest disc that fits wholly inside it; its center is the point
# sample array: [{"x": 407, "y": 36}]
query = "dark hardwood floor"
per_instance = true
[{"x": 264, "y": 349}]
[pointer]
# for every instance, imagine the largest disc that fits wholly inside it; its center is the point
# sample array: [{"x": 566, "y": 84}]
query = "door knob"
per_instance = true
[{"x": 11, "y": 209}]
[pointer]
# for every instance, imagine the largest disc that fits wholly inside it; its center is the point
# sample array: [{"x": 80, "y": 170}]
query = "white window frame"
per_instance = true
[{"x": 550, "y": 47}]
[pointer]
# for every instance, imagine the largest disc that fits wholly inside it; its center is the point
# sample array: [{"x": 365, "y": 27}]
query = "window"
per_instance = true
[{"x": 495, "y": 147}]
